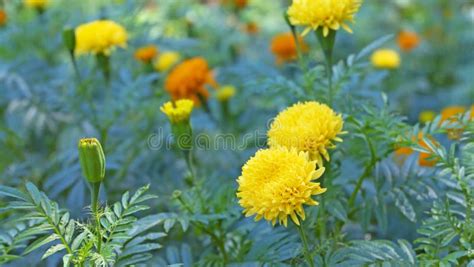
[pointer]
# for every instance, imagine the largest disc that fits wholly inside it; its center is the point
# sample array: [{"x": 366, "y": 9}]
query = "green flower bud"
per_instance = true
[
  {"x": 92, "y": 159},
  {"x": 69, "y": 39}
]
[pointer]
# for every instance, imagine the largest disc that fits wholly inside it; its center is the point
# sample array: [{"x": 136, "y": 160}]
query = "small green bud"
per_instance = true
[
  {"x": 69, "y": 39},
  {"x": 176, "y": 194},
  {"x": 92, "y": 159}
]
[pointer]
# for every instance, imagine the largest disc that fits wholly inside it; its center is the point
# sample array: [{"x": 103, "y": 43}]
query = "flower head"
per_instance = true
[
  {"x": 3, "y": 17},
  {"x": 92, "y": 159},
  {"x": 327, "y": 14},
  {"x": 146, "y": 53},
  {"x": 426, "y": 116},
  {"x": 449, "y": 116},
  {"x": 385, "y": 59},
  {"x": 178, "y": 111},
  {"x": 225, "y": 93},
  {"x": 166, "y": 60},
  {"x": 310, "y": 127},
  {"x": 408, "y": 41},
  {"x": 100, "y": 37},
  {"x": 251, "y": 28},
  {"x": 189, "y": 80},
  {"x": 284, "y": 47},
  {"x": 276, "y": 183},
  {"x": 41, "y": 4}
]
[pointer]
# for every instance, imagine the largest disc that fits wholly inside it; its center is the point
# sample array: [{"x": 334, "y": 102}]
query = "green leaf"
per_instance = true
[
  {"x": 40, "y": 242},
  {"x": 12, "y": 192},
  {"x": 34, "y": 193},
  {"x": 52, "y": 250}
]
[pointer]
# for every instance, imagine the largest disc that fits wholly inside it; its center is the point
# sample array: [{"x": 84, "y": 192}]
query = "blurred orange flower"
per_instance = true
[
  {"x": 423, "y": 158},
  {"x": 450, "y": 115},
  {"x": 241, "y": 3},
  {"x": 189, "y": 80},
  {"x": 3, "y": 17},
  {"x": 146, "y": 53},
  {"x": 251, "y": 28},
  {"x": 283, "y": 46},
  {"x": 408, "y": 41}
]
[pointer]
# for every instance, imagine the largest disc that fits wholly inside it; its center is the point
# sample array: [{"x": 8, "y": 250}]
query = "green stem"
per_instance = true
[
  {"x": 304, "y": 240},
  {"x": 188, "y": 156},
  {"x": 94, "y": 207},
  {"x": 366, "y": 173},
  {"x": 327, "y": 44}
]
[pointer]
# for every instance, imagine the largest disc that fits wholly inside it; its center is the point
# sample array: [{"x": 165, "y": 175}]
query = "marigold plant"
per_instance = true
[
  {"x": 385, "y": 59},
  {"x": 310, "y": 127},
  {"x": 189, "y": 80},
  {"x": 100, "y": 37},
  {"x": 146, "y": 53},
  {"x": 276, "y": 183},
  {"x": 327, "y": 14},
  {"x": 285, "y": 49}
]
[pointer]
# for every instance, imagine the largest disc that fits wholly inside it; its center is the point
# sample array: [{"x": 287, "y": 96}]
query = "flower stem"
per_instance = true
[
  {"x": 94, "y": 207},
  {"x": 327, "y": 44},
  {"x": 304, "y": 240}
]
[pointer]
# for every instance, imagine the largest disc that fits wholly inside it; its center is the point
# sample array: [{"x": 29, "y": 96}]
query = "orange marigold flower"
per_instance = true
[
  {"x": 449, "y": 115},
  {"x": 189, "y": 80},
  {"x": 146, "y": 53},
  {"x": 241, "y": 3},
  {"x": 251, "y": 28},
  {"x": 408, "y": 41},
  {"x": 3, "y": 17},
  {"x": 423, "y": 157},
  {"x": 283, "y": 46}
]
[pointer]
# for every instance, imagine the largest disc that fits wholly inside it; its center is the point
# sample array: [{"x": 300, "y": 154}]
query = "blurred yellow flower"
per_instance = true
[
  {"x": 225, "y": 93},
  {"x": 408, "y": 41},
  {"x": 178, "y": 111},
  {"x": 328, "y": 14},
  {"x": 276, "y": 183},
  {"x": 146, "y": 53},
  {"x": 166, "y": 60},
  {"x": 385, "y": 59},
  {"x": 189, "y": 80},
  {"x": 426, "y": 116},
  {"x": 36, "y": 3},
  {"x": 283, "y": 46},
  {"x": 472, "y": 113},
  {"x": 100, "y": 37},
  {"x": 3, "y": 17},
  {"x": 310, "y": 127}
]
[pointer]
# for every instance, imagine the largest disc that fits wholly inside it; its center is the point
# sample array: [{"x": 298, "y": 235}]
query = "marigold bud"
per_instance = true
[
  {"x": 92, "y": 159},
  {"x": 69, "y": 39}
]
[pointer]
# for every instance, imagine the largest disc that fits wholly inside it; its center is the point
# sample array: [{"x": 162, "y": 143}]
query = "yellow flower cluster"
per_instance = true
[
  {"x": 100, "y": 37},
  {"x": 178, "y": 111},
  {"x": 275, "y": 184},
  {"x": 36, "y": 3},
  {"x": 328, "y": 14},
  {"x": 385, "y": 59},
  {"x": 166, "y": 60},
  {"x": 225, "y": 93},
  {"x": 310, "y": 127},
  {"x": 278, "y": 181}
]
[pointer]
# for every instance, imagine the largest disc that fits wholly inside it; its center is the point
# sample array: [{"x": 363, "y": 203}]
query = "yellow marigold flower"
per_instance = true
[
  {"x": 166, "y": 60},
  {"x": 472, "y": 113},
  {"x": 426, "y": 116},
  {"x": 3, "y": 17},
  {"x": 146, "y": 53},
  {"x": 99, "y": 36},
  {"x": 178, "y": 111},
  {"x": 328, "y": 14},
  {"x": 36, "y": 3},
  {"x": 408, "y": 41},
  {"x": 225, "y": 93},
  {"x": 283, "y": 46},
  {"x": 385, "y": 59},
  {"x": 189, "y": 80},
  {"x": 310, "y": 127},
  {"x": 276, "y": 182}
]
